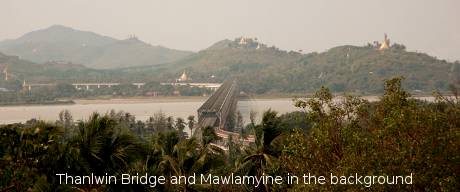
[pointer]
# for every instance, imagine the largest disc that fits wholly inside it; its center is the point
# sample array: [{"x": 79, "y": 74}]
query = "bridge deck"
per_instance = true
[
  {"x": 211, "y": 103},
  {"x": 215, "y": 111}
]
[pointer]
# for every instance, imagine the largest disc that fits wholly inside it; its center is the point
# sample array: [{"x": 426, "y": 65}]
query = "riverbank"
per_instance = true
[
  {"x": 142, "y": 109},
  {"x": 168, "y": 99},
  {"x": 134, "y": 100},
  {"x": 38, "y": 103}
]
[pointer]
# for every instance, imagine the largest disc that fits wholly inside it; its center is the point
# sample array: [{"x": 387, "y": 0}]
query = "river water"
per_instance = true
[
  {"x": 145, "y": 109},
  {"x": 142, "y": 111}
]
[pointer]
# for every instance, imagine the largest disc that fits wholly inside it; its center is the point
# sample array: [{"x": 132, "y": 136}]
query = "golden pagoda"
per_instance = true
[
  {"x": 385, "y": 44},
  {"x": 183, "y": 77},
  {"x": 5, "y": 71},
  {"x": 243, "y": 41}
]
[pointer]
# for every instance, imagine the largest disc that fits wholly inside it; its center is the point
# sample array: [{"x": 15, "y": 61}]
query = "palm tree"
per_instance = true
[
  {"x": 180, "y": 126},
  {"x": 172, "y": 156},
  {"x": 66, "y": 121},
  {"x": 261, "y": 157},
  {"x": 170, "y": 123},
  {"x": 99, "y": 148},
  {"x": 191, "y": 123}
]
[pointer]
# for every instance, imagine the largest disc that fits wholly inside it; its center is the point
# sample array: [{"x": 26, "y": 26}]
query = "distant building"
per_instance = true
[
  {"x": 212, "y": 86},
  {"x": 152, "y": 93},
  {"x": 183, "y": 77},
  {"x": 176, "y": 93},
  {"x": 246, "y": 42},
  {"x": 5, "y": 73},
  {"x": 386, "y": 43},
  {"x": 243, "y": 41}
]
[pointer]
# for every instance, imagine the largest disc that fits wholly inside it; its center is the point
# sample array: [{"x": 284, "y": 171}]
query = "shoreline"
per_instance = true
[
  {"x": 129, "y": 100},
  {"x": 49, "y": 103},
  {"x": 165, "y": 99}
]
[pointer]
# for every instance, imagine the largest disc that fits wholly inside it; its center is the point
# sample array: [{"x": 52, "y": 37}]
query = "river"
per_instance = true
[{"x": 141, "y": 110}]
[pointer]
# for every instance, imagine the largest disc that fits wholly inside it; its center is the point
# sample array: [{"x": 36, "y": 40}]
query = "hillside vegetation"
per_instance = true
[
  {"x": 358, "y": 69},
  {"x": 361, "y": 69},
  {"x": 50, "y": 72},
  {"x": 261, "y": 69}
]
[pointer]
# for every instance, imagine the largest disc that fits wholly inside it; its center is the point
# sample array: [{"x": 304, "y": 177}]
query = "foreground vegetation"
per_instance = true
[{"x": 394, "y": 136}]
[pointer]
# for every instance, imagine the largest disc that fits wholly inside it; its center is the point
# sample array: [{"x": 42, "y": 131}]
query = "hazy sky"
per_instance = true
[{"x": 431, "y": 26}]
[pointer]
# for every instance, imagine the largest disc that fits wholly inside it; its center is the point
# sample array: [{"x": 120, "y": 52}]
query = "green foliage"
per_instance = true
[
  {"x": 396, "y": 135},
  {"x": 344, "y": 69},
  {"x": 352, "y": 69}
]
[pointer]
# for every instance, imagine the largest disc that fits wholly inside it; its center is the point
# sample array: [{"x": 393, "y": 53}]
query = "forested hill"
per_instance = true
[
  {"x": 358, "y": 69},
  {"x": 362, "y": 69},
  {"x": 50, "y": 72},
  {"x": 236, "y": 56},
  {"x": 20, "y": 69},
  {"x": 228, "y": 58},
  {"x": 60, "y": 43},
  {"x": 265, "y": 69}
]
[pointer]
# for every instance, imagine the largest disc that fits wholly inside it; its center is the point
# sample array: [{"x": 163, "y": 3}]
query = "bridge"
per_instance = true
[
  {"x": 218, "y": 112},
  {"x": 87, "y": 86}
]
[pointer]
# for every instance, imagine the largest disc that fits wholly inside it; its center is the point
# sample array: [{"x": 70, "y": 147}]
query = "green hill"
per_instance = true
[
  {"x": 362, "y": 69},
  {"x": 60, "y": 43},
  {"x": 51, "y": 72},
  {"x": 262, "y": 69},
  {"x": 228, "y": 58},
  {"x": 357, "y": 69}
]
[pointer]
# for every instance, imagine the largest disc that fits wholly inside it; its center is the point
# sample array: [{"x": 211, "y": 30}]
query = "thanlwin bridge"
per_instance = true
[
  {"x": 88, "y": 86},
  {"x": 220, "y": 107},
  {"x": 218, "y": 112}
]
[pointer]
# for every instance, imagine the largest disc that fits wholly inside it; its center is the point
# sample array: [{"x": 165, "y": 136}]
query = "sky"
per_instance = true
[{"x": 431, "y": 26}]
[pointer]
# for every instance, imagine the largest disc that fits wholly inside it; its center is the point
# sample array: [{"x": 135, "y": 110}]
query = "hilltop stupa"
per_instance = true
[
  {"x": 183, "y": 77},
  {"x": 385, "y": 44},
  {"x": 243, "y": 41},
  {"x": 5, "y": 72}
]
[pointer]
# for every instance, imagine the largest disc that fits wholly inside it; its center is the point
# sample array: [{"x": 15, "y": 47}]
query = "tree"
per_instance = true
[
  {"x": 66, "y": 121},
  {"x": 170, "y": 123},
  {"x": 262, "y": 157},
  {"x": 208, "y": 135},
  {"x": 160, "y": 122},
  {"x": 191, "y": 123},
  {"x": 65, "y": 90},
  {"x": 172, "y": 155},
  {"x": 239, "y": 122},
  {"x": 180, "y": 126},
  {"x": 101, "y": 149}
]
